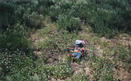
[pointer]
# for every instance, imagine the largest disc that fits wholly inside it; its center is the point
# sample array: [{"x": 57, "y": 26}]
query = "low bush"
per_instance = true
[
  {"x": 34, "y": 20},
  {"x": 69, "y": 23},
  {"x": 14, "y": 39},
  {"x": 60, "y": 7},
  {"x": 7, "y": 15},
  {"x": 43, "y": 6},
  {"x": 106, "y": 18},
  {"x": 80, "y": 9}
]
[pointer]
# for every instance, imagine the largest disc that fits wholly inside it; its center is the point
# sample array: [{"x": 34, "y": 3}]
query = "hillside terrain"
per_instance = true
[
  {"x": 101, "y": 62},
  {"x": 37, "y": 36}
]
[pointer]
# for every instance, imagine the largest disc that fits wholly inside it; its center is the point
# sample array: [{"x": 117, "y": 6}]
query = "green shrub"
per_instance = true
[
  {"x": 43, "y": 6},
  {"x": 14, "y": 39},
  {"x": 27, "y": 13},
  {"x": 7, "y": 15},
  {"x": 60, "y": 7},
  {"x": 80, "y": 9},
  {"x": 34, "y": 20},
  {"x": 68, "y": 23},
  {"x": 106, "y": 16},
  {"x": 102, "y": 30},
  {"x": 50, "y": 44}
]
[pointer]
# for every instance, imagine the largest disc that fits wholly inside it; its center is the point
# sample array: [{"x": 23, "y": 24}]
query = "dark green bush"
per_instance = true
[
  {"x": 68, "y": 23},
  {"x": 60, "y": 7},
  {"x": 43, "y": 6},
  {"x": 33, "y": 20},
  {"x": 14, "y": 39},
  {"x": 27, "y": 14},
  {"x": 7, "y": 15},
  {"x": 106, "y": 16},
  {"x": 16, "y": 60},
  {"x": 80, "y": 9}
]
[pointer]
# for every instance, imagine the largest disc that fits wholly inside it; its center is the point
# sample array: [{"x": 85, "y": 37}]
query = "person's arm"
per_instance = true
[{"x": 82, "y": 51}]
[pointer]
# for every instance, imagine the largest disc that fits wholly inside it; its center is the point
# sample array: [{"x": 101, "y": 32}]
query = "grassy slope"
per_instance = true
[{"x": 103, "y": 60}]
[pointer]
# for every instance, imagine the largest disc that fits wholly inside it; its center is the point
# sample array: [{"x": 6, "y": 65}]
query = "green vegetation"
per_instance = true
[
  {"x": 36, "y": 37},
  {"x": 80, "y": 77},
  {"x": 103, "y": 69},
  {"x": 68, "y": 23},
  {"x": 61, "y": 70}
]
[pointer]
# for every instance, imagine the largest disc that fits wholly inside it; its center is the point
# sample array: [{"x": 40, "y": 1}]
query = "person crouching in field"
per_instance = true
[{"x": 78, "y": 51}]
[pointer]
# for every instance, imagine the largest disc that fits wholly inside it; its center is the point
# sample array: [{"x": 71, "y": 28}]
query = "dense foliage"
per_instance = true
[
  {"x": 106, "y": 17},
  {"x": 68, "y": 23}
]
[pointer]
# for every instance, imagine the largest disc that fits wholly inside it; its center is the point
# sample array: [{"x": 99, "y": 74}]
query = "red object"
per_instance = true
[
  {"x": 85, "y": 41},
  {"x": 82, "y": 49}
]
